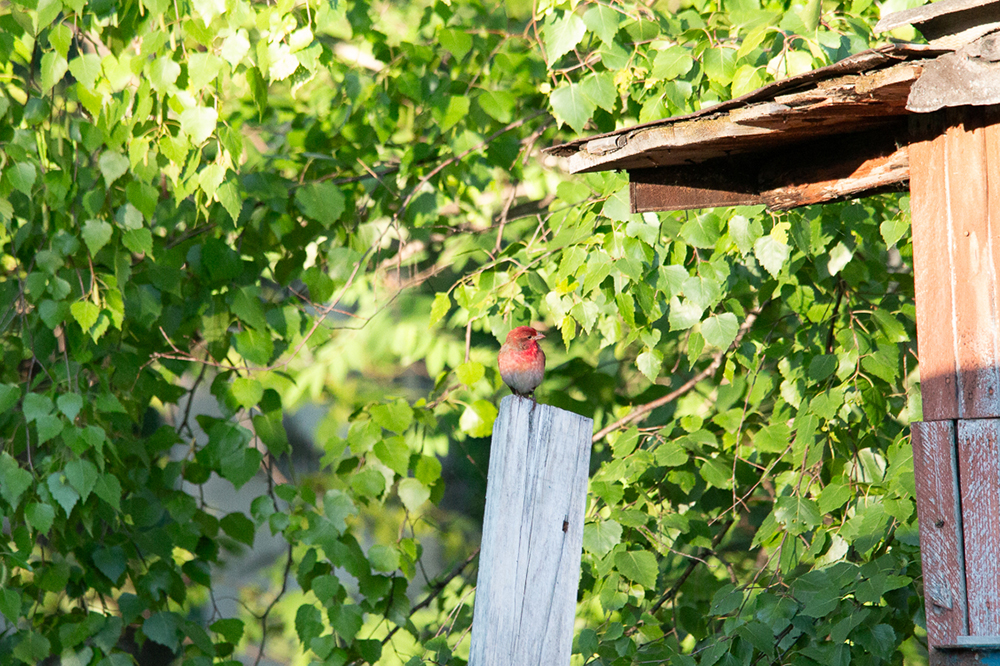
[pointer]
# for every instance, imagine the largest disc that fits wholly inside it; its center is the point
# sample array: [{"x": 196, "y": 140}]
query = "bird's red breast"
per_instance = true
[{"x": 522, "y": 361}]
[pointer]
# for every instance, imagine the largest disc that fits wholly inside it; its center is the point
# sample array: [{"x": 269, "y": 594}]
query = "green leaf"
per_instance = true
[
  {"x": 258, "y": 88},
  {"x": 449, "y": 111},
  {"x": 163, "y": 73},
  {"x": 10, "y": 605},
  {"x": 199, "y": 123},
  {"x": 229, "y": 197},
  {"x": 821, "y": 367},
  {"x": 702, "y": 231},
  {"x": 63, "y": 493},
  {"x": 772, "y": 251},
  {"x": 683, "y": 315},
  {"x": 48, "y": 427},
  {"x": 323, "y": 202},
  {"x": 111, "y": 562},
  {"x": 639, "y": 566},
  {"x": 744, "y": 232},
  {"x": 230, "y": 628},
  {"x": 893, "y": 229},
  {"x": 82, "y": 475},
  {"x": 458, "y": 42},
  {"x": 571, "y": 106},
  {"x": 561, "y": 34},
  {"x": 670, "y": 454},
  {"x": 247, "y": 391},
  {"x": 60, "y": 38},
  {"x": 21, "y": 176},
  {"x": 210, "y": 179},
  {"x": 96, "y": 234},
  {"x": 54, "y": 67},
  {"x": 9, "y": 395},
  {"x": 440, "y": 307},
  {"x": 603, "y": 21},
  {"x": 109, "y": 489},
  {"x": 832, "y": 497},
  {"x": 671, "y": 63},
  {"x": 36, "y": 405},
  {"x": 40, "y": 516},
  {"x": 255, "y": 346},
  {"x": 85, "y": 69},
  {"x": 649, "y": 363},
  {"x": 346, "y": 620},
  {"x": 85, "y": 313},
  {"x": 308, "y": 623},
  {"x": 32, "y": 648},
  {"x": 471, "y": 372},
  {"x": 271, "y": 430},
  {"x": 70, "y": 404},
  {"x": 14, "y": 480},
  {"x": 498, "y": 104},
  {"x": 338, "y": 507},
  {"x": 394, "y": 453},
  {"x": 202, "y": 70},
  {"x": 477, "y": 419},
  {"x": 720, "y": 330},
  {"x": 413, "y": 494},
  {"x": 163, "y": 628},
  {"x": 238, "y": 526},
  {"x": 601, "y": 537},
  {"x": 600, "y": 89},
  {"x": 797, "y": 514},
  {"x": 383, "y": 558},
  {"x": 395, "y": 416},
  {"x": 139, "y": 241},
  {"x": 840, "y": 256},
  {"x": 368, "y": 483},
  {"x": 113, "y": 166}
]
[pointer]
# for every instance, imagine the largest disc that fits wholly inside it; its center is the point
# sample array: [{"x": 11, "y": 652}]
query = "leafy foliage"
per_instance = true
[{"x": 344, "y": 202}]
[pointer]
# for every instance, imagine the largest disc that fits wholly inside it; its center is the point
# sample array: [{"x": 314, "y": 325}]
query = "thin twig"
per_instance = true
[
  {"x": 669, "y": 594},
  {"x": 642, "y": 410},
  {"x": 457, "y": 158},
  {"x": 270, "y": 606},
  {"x": 437, "y": 590}
]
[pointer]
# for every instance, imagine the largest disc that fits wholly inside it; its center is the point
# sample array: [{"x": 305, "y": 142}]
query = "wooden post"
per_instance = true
[
  {"x": 955, "y": 205},
  {"x": 529, "y": 567}
]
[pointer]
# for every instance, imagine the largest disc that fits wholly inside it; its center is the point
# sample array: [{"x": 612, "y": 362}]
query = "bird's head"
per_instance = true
[{"x": 523, "y": 334}]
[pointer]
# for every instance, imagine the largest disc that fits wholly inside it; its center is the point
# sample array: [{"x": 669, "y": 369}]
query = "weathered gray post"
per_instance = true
[{"x": 529, "y": 567}]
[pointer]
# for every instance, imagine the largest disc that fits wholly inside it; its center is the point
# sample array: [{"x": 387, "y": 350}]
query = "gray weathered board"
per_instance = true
[{"x": 529, "y": 566}]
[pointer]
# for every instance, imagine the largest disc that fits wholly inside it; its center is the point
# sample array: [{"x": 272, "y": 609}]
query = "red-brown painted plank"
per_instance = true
[
  {"x": 979, "y": 471},
  {"x": 935, "y": 469},
  {"x": 956, "y": 263}
]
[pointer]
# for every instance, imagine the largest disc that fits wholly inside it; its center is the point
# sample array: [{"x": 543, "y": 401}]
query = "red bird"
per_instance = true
[{"x": 522, "y": 361}]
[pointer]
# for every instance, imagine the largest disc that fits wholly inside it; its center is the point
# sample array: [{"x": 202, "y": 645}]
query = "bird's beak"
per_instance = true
[{"x": 538, "y": 336}]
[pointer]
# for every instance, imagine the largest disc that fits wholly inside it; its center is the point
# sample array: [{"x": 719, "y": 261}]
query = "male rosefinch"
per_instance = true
[{"x": 522, "y": 361}]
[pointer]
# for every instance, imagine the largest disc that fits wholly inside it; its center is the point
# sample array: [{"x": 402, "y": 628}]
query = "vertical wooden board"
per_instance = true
[
  {"x": 935, "y": 470},
  {"x": 933, "y": 269},
  {"x": 529, "y": 567},
  {"x": 975, "y": 277},
  {"x": 979, "y": 471},
  {"x": 956, "y": 263}
]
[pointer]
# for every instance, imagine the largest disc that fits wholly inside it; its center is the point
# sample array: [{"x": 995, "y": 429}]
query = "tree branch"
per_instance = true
[
  {"x": 643, "y": 410},
  {"x": 436, "y": 590}
]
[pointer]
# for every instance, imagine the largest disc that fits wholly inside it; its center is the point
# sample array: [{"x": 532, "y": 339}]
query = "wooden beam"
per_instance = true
[
  {"x": 529, "y": 567},
  {"x": 956, "y": 257},
  {"x": 979, "y": 470},
  {"x": 845, "y": 104},
  {"x": 821, "y": 170},
  {"x": 939, "y": 509}
]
